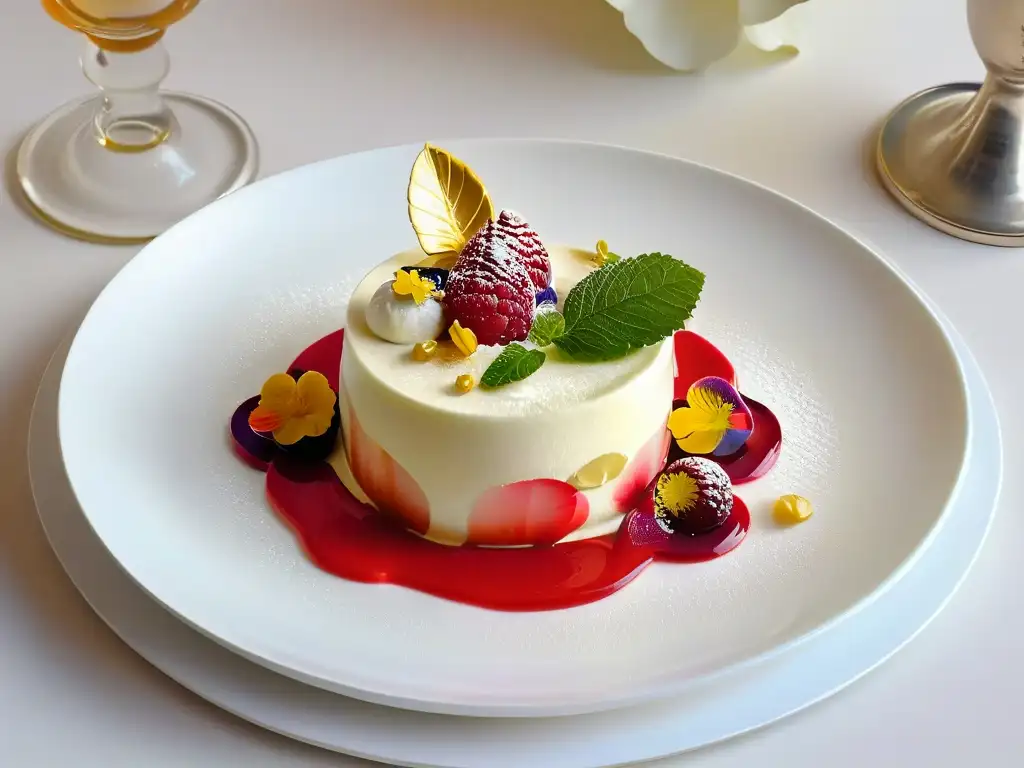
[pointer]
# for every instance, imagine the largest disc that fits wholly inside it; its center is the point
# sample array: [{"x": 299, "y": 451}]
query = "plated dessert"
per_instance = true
[{"x": 508, "y": 423}]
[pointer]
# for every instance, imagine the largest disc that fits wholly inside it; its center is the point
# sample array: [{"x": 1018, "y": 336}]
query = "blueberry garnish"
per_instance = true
[
  {"x": 547, "y": 296},
  {"x": 436, "y": 275}
]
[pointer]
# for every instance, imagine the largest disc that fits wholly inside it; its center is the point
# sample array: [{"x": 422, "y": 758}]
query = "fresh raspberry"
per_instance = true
[
  {"x": 489, "y": 290},
  {"x": 525, "y": 241}
]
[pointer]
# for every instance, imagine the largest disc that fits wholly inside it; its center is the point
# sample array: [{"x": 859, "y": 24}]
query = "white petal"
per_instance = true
[
  {"x": 684, "y": 34},
  {"x": 758, "y": 11},
  {"x": 784, "y": 32}
]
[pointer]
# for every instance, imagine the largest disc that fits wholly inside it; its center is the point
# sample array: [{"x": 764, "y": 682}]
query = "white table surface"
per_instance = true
[{"x": 318, "y": 78}]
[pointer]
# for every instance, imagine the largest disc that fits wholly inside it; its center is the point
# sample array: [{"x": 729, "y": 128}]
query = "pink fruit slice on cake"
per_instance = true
[
  {"x": 527, "y": 512},
  {"x": 641, "y": 471},
  {"x": 384, "y": 481}
]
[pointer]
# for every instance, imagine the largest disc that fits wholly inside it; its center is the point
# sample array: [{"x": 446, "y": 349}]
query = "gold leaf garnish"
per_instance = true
[
  {"x": 448, "y": 203},
  {"x": 439, "y": 261},
  {"x": 464, "y": 383},
  {"x": 596, "y": 473}
]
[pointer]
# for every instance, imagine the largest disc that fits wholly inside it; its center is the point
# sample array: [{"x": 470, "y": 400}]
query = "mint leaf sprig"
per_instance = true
[
  {"x": 515, "y": 363},
  {"x": 548, "y": 325},
  {"x": 624, "y": 305},
  {"x": 628, "y": 304}
]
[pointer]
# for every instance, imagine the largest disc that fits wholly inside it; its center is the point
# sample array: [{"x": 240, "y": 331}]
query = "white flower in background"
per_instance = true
[{"x": 691, "y": 34}]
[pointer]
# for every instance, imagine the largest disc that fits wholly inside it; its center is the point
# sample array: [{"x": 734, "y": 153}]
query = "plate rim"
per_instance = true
[{"x": 459, "y": 704}]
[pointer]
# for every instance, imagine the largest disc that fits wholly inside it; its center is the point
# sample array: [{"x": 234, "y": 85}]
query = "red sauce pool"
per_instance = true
[{"x": 350, "y": 539}]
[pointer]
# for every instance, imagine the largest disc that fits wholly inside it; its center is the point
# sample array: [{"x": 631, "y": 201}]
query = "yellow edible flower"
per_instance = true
[
  {"x": 409, "y": 283},
  {"x": 676, "y": 493},
  {"x": 463, "y": 338},
  {"x": 700, "y": 426},
  {"x": 292, "y": 409},
  {"x": 602, "y": 255}
]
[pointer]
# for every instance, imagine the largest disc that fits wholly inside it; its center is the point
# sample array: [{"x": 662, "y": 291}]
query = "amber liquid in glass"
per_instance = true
[{"x": 122, "y": 26}]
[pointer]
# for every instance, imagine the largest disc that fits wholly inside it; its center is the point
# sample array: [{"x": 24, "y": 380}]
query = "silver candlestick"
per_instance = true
[{"x": 953, "y": 155}]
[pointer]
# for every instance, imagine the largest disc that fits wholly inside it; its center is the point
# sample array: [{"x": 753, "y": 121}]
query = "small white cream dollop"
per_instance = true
[{"x": 401, "y": 320}]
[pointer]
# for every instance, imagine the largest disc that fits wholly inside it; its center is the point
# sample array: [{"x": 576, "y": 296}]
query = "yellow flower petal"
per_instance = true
[
  {"x": 317, "y": 404},
  {"x": 700, "y": 425},
  {"x": 409, "y": 283},
  {"x": 295, "y": 409},
  {"x": 263, "y": 419},
  {"x": 400, "y": 285},
  {"x": 695, "y": 431},
  {"x": 279, "y": 394},
  {"x": 315, "y": 424},
  {"x": 709, "y": 403},
  {"x": 315, "y": 393},
  {"x": 308, "y": 425},
  {"x": 463, "y": 338},
  {"x": 423, "y": 288},
  {"x": 291, "y": 431},
  {"x": 700, "y": 443}
]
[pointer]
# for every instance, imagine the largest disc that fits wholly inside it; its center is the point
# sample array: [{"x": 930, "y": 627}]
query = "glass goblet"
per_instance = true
[{"x": 126, "y": 164}]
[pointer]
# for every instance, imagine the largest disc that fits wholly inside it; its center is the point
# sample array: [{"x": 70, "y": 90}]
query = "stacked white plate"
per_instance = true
[{"x": 889, "y": 429}]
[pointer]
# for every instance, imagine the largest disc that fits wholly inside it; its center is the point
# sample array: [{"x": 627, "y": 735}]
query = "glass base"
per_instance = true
[
  {"x": 95, "y": 193},
  {"x": 953, "y": 156}
]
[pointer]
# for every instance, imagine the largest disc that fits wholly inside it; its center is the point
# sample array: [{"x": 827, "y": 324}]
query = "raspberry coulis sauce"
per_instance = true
[{"x": 352, "y": 540}]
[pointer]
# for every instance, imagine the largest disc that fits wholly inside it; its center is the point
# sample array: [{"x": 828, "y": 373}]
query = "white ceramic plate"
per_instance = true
[
  {"x": 860, "y": 373},
  {"x": 732, "y": 704}
]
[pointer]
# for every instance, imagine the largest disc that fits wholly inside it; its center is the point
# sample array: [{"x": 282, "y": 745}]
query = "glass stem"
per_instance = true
[{"x": 133, "y": 116}]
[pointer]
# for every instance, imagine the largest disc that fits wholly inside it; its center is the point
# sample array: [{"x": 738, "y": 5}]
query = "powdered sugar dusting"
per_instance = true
[
  {"x": 489, "y": 290},
  {"x": 524, "y": 241},
  {"x": 558, "y": 384}
]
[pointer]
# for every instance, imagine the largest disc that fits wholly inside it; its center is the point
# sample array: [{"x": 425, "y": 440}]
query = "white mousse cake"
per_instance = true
[
  {"x": 438, "y": 459},
  {"x": 497, "y": 393}
]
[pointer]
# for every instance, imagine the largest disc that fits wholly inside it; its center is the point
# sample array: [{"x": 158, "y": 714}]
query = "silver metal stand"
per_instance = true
[{"x": 953, "y": 155}]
